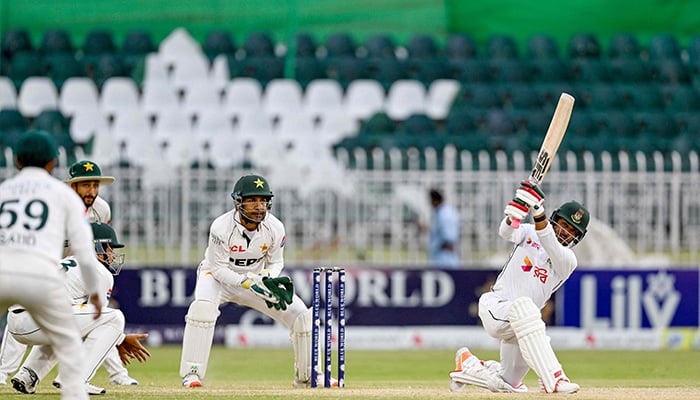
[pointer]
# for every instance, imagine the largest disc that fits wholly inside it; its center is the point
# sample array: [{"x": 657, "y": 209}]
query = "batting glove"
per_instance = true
[
  {"x": 532, "y": 195},
  {"x": 516, "y": 209}
]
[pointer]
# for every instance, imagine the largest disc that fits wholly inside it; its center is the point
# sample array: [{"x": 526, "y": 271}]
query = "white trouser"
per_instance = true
[
  {"x": 34, "y": 282},
  {"x": 11, "y": 354},
  {"x": 209, "y": 290},
  {"x": 493, "y": 312},
  {"x": 100, "y": 336}
]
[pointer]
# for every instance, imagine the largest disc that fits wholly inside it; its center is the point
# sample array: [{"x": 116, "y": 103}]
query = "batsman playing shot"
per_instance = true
[
  {"x": 242, "y": 265},
  {"x": 541, "y": 261}
]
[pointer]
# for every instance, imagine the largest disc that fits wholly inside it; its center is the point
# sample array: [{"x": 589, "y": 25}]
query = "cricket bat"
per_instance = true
[{"x": 550, "y": 144}]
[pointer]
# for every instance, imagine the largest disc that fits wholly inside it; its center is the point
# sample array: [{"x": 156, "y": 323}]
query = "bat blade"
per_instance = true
[
  {"x": 551, "y": 142},
  {"x": 553, "y": 138}
]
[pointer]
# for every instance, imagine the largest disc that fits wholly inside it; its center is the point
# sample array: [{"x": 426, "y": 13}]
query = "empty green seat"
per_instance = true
[
  {"x": 99, "y": 41},
  {"x": 460, "y": 46},
  {"x": 422, "y": 46},
  {"x": 56, "y": 41},
  {"x": 584, "y": 46},
  {"x": 60, "y": 67},
  {"x": 379, "y": 46},
  {"x": 16, "y": 41},
  {"x": 624, "y": 45},
  {"x": 542, "y": 46},
  {"x": 218, "y": 42}
]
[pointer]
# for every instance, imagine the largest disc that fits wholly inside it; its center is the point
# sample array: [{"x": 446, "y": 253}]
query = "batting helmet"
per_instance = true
[
  {"x": 247, "y": 186},
  {"x": 576, "y": 215},
  {"x": 106, "y": 238}
]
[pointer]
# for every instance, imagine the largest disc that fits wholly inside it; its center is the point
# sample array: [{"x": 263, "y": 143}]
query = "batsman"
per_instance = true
[
  {"x": 242, "y": 265},
  {"x": 541, "y": 261}
]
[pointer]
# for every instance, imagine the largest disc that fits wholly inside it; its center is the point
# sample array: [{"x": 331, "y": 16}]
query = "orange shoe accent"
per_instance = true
[{"x": 461, "y": 359}]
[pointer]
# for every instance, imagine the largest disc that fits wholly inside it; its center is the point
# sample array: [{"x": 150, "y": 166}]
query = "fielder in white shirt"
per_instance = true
[
  {"x": 242, "y": 265},
  {"x": 541, "y": 261},
  {"x": 100, "y": 336},
  {"x": 38, "y": 213},
  {"x": 85, "y": 179}
]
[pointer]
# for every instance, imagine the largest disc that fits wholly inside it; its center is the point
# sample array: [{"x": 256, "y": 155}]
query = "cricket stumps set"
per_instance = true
[{"x": 316, "y": 368}]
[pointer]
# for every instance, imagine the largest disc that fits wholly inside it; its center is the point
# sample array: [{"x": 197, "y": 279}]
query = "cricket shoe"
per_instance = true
[
  {"x": 460, "y": 357},
  {"x": 3, "y": 379},
  {"x": 124, "y": 380},
  {"x": 191, "y": 381},
  {"x": 469, "y": 370},
  {"x": 564, "y": 386},
  {"x": 497, "y": 384},
  {"x": 25, "y": 381},
  {"x": 94, "y": 390},
  {"x": 89, "y": 388},
  {"x": 319, "y": 383}
]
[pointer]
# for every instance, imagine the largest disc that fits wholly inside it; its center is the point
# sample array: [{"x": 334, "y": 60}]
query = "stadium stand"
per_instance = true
[{"x": 459, "y": 84}]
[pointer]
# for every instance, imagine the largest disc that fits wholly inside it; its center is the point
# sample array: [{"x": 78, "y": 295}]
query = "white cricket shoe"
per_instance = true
[
  {"x": 123, "y": 379},
  {"x": 460, "y": 357},
  {"x": 498, "y": 385},
  {"x": 191, "y": 381},
  {"x": 564, "y": 386},
  {"x": 94, "y": 390},
  {"x": 3, "y": 379},
  {"x": 25, "y": 381}
]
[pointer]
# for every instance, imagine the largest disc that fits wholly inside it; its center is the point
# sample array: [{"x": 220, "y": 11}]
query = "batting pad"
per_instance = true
[
  {"x": 199, "y": 335},
  {"x": 526, "y": 321},
  {"x": 301, "y": 343}
]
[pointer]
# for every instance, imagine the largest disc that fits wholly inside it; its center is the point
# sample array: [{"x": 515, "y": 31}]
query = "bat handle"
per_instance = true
[{"x": 515, "y": 223}]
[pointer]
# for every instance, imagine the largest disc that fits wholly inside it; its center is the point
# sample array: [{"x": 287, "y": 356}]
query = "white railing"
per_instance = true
[{"x": 378, "y": 216}]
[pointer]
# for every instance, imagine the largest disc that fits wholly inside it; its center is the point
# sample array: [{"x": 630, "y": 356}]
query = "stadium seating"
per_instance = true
[
  {"x": 37, "y": 93},
  {"x": 462, "y": 85}
]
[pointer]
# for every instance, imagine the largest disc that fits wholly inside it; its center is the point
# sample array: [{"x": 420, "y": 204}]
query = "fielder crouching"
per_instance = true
[
  {"x": 242, "y": 265},
  {"x": 540, "y": 263}
]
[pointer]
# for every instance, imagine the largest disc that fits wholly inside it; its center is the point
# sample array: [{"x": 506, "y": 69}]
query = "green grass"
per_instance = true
[{"x": 420, "y": 374}]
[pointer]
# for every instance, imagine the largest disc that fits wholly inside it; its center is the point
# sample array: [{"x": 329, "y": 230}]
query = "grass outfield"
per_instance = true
[{"x": 267, "y": 374}]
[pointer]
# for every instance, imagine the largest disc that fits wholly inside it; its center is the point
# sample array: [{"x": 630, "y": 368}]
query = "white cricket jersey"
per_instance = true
[
  {"x": 76, "y": 286},
  {"x": 38, "y": 213},
  {"x": 230, "y": 255},
  {"x": 99, "y": 211},
  {"x": 538, "y": 265}
]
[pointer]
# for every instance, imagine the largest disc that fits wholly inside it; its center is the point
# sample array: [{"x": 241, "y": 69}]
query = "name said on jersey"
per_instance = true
[{"x": 16, "y": 238}]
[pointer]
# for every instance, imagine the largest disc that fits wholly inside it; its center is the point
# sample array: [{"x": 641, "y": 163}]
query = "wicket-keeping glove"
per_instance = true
[
  {"x": 255, "y": 283},
  {"x": 282, "y": 286}
]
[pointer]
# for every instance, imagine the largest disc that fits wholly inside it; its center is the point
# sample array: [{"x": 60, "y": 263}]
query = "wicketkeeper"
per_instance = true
[
  {"x": 242, "y": 265},
  {"x": 540, "y": 263}
]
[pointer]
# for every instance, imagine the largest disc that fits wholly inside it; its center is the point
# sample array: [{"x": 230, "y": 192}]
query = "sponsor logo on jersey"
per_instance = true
[
  {"x": 532, "y": 243},
  {"x": 237, "y": 249},
  {"x": 244, "y": 262},
  {"x": 284, "y": 240},
  {"x": 527, "y": 266}
]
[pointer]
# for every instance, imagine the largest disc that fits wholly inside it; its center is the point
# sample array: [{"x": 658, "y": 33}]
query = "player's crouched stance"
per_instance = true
[
  {"x": 100, "y": 331},
  {"x": 242, "y": 265},
  {"x": 540, "y": 263}
]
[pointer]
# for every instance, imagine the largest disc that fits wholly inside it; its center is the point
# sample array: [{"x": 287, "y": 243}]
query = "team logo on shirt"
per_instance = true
[
  {"x": 538, "y": 272},
  {"x": 264, "y": 247}
]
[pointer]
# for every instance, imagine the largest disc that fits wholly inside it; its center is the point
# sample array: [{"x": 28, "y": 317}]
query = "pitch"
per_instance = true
[{"x": 419, "y": 374}]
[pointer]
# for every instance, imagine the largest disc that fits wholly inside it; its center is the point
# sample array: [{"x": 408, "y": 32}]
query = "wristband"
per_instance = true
[{"x": 540, "y": 218}]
